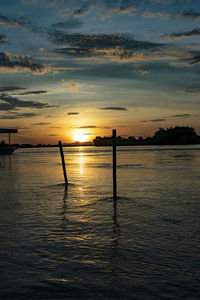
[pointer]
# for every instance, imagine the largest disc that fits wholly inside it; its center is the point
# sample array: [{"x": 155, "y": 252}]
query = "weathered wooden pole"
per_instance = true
[
  {"x": 63, "y": 163},
  {"x": 114, "y": 165},
  {"x": 9, "y": 138}
]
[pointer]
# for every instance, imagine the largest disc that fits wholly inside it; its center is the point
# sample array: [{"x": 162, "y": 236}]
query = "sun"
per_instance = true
[{"x": 80, "y": 136}]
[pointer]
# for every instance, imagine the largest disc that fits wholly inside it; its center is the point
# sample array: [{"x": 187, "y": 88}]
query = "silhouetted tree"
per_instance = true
[{"x": 175, "y": 136}]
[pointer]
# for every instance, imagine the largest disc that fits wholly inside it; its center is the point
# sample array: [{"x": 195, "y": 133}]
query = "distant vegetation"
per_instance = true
[{"x": 171, "y": 136}]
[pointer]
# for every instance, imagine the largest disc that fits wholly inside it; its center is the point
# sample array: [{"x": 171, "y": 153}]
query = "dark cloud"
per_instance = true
[
  {"x": 193, "y": 58},
  {"x": 93, "y": 126},
  {"x": 41, "y": 123},
  {"x": 12, "y": 21},
  {"x": 84, "y": 9},
  {"x": 12, "y": 62},
  {"x": 28, "y": 25},
  {"x": 186, "y": 34},
  {"x": 181, "y": 116},
  {"x": 73, "y": 113},
  {"x": 191, "y": 15},
  {"x": 119, "y": 48},
  {"x": 185, "y": 15},
  {"x": 69, "y": 24},
  {"x": 113, "y": 108},
  {"x": 80, "y": 9},
  {"x": 33, "y": 93},
  {"x": 10, "y": 89},
  {"x": 192, "y": 92},
  {"x": 154, "y": 120},
  {"x": 14, "y": 116},
  {"x": 11, "y": 103},
  {"x": 158, "y": 120},
  {"x": 87, "y": 127},
  {"x": 3, "y": 39},
  {"x": 98, "y": 41}
]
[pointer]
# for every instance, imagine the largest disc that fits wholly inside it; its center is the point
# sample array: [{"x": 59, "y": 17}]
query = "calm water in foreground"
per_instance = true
[{"x": 80, "y": 245}]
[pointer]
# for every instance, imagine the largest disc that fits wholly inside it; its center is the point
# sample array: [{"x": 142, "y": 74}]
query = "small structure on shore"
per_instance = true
[{"x": 7, "y": 148}]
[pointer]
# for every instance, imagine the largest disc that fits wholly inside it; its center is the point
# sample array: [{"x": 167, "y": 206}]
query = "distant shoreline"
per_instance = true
[{"x": 82, "y": 145}]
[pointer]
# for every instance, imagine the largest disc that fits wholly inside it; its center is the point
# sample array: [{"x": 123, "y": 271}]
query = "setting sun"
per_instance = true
[{"x": 80, "y": 136}]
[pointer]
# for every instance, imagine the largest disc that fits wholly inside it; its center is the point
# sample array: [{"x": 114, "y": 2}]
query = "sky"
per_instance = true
[{"x": 75, "y": 69}]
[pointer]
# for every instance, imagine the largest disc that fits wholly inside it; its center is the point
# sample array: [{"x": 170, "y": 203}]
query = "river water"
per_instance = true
[{"x": 80, "y": 244}]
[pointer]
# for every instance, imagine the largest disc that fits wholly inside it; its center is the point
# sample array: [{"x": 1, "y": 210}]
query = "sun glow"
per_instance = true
[{"x": 80, "y": 136}]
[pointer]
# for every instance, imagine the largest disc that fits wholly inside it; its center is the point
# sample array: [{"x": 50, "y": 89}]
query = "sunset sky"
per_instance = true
[{"x": 75, "y": 69}]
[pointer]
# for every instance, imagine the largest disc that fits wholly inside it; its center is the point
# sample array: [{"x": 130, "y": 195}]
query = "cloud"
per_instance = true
[
  {"x": 69, "y": 83},
  {"x": 87, "y": 127},
  {"x": 181, "y": 35},
  {"x": 118, "y": 48},
  {"x": 11, "y": 103},
  {"x": 72, "y": 113},
  {"x": 84, "y": 9},
  {"x": 72, "y": 87},
  {"x": 192, "y": 92},
  {"x": 193, "y": 58},
  {"x": 41, "y": 123},
  {"x": 10, "y": 89},
  {"x": 84, "y": 43},
  {"x": 122, "y": 7},
  {"x": 190, "y": 15},
  {"x": 13, "y": 22},
  {"x": 33, "y": 93},
  {"x": 3, "y": 39},
  {"x": 79, "y": 92},
  {"x": 13, "y": 116},
  {"x": 69, "y": 24},
  {"x": 185, "y": 15},
  {"x": 158, "y": 120},
  {"x": 143, "y": 72},
  {"x": 13, "y": 63},
  {"x": 181, "y": 116},
  {"x": 93, "y": 126},
  {"x": 154, "y": 120},
  {"x": 113, "y": 108}
]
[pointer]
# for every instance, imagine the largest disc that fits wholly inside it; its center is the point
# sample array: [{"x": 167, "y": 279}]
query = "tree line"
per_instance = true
[{"x": 179, "y": 135}]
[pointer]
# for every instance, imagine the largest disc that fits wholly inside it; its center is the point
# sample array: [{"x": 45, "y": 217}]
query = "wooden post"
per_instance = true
[
  {"x": 114, "y": 166},
  {"x": 63, "y": 163},
  {"x": 9, "y": 138}
]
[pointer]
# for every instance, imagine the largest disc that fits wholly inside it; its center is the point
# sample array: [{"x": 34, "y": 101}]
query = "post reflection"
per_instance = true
[
  {"x": 64, "y": 208},
  {"x": 115, "y": 251},
  {"x": 116, "y": 228},
  {"x": 5, "y": 162}
]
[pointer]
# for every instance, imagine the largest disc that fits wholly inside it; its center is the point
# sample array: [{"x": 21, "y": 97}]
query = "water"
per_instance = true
[{"x": 80, "y": 245}]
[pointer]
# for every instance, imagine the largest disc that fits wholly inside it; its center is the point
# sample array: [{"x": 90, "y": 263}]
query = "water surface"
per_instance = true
[{"x": 80, "y": 244}]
